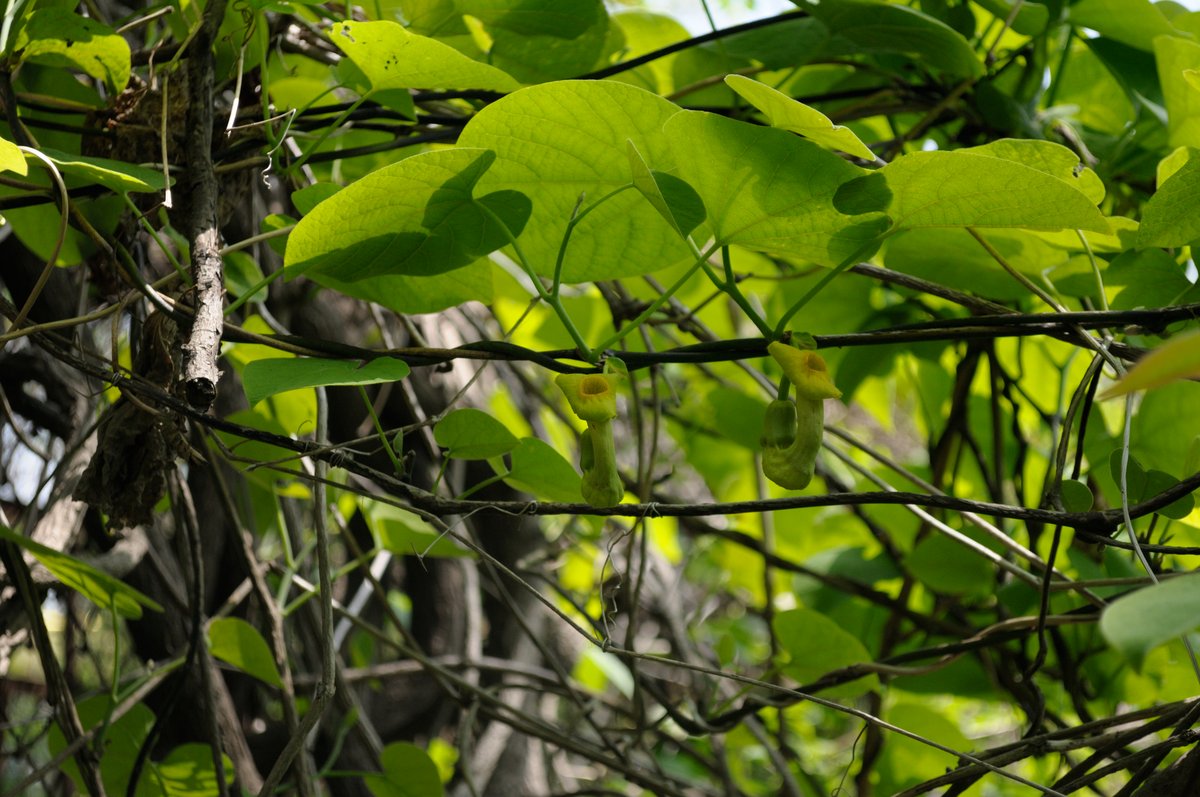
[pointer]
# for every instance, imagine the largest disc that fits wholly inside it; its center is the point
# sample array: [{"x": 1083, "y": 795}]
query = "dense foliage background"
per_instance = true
[{"x": 352, "y": 555}]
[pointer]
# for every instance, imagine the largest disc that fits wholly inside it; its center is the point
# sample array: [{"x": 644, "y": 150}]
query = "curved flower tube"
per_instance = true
[
  {"x": 593, "y": 398},
  {"x": 792, "y": 429}
]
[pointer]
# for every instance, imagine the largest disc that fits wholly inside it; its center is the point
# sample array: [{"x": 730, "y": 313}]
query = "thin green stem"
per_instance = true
[
  {"x": 854, "y": 257},
  {"x": 735, "y": 293},
  {"x": 549, "y": 298},
  {"x": 578, "y": 216},
  {"x": 383, "y": 438}
]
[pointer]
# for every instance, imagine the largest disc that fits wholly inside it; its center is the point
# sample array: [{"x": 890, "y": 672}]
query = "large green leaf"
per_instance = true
[
  {"x": 1174, "y": 56},
  {"x": 393, "y": 58},
  {"x": 95, "y": 585},
  {"x": 881, "y": 27},
  {"x": 969, "y": 189},
  {"x": 408, "y": 771},
  {"x": 418, "y": 217},
  {"x": 768, "y": 190},
  {"x": 469, "y": 433},
  {"x": 236, "y": 642},
  {"x": 816, "y": 645},
  {"x": 56, "y": 37},
  {"x": 557, "y": 141},
  {"x": 645, "y": 32},
  {"x": 1132, "y": 22},
  {"x": 1170, "y": 217},
  {"x": 266, "y": 377},
  {"x": 788, "y": 114},
  {"x": 1048, "y": 158},
  {"x": 1151, "y": 616}
]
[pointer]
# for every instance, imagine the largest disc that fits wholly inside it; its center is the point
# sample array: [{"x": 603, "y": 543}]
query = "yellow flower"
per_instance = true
[
  {"x": 593, "y": 397},
  {"x": 806, "y": 370}
]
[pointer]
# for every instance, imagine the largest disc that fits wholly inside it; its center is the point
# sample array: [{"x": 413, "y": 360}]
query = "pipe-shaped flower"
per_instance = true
[
  {"x": 807, "y": 371},
  {"x": 593, "y": 397},
  {"x": 791, "y": 440},
  {"x": 792, "y": 430}
]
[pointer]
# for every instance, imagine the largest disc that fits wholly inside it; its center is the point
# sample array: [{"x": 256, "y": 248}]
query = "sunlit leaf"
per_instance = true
[
  {"x": 95, "y": 585},
  {"x": 1170, "y": 218},
  {"x": 966, "y": 189},
  {"x": 418, "y": 217},
  {"x": 11, "y": 158},
  {"x": 558, "y": 141},
  {"x": 393, "y": 58},
  {"x": 788, "y": 114},
  {"x": 56, "y": 37}
]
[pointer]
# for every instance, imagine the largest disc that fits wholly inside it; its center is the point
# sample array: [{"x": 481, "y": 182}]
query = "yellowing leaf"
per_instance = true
[
  {"x": 11, "y": 158},
  {"x": 1177, "y": 359}
]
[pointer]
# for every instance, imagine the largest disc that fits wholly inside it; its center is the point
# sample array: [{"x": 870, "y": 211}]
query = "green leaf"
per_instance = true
[
  {"x": 1139, "y": 622},
  {"x": 557, "y": 141},
  {"x": 116, "y": 175},
  {"x": 473, "y": 434},
  {"x": 816, "y": 645},
  {"x": 1048, "y": 158},
  {"x": 1179, "y": 358},
  {"x": 1133, "y": 22},
  {"x": 236, "y": 642},
  {"x": 11, "y": 158},
  {"x": 58, "y": 38},
  {"x": 393, "y": 58},
  {"x": 862, "y": 26},
  {"x": 97, "y": 586},
  {"x": 1170, "y": 218},
  {"x": 645, "y": 32},
  {"x": 263, "y": 378},
  {"x": 948, "y": 567},
  {"x": 188, "y": 772},
  {"x": 967, "y": 189},
  {"x": 543, "y": 472},
  {"x": 768, "y": 190},
  {"x": 418, "y": 217},
  {"x": 674, "y": 199},
  {"x": 788, "y": 114},
  {"x": 1076, "y": 496},
  {"x": 408, "y": 771},
  {"x": 405, "y": 534},
  {"x": 1174, "y": 56}
]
